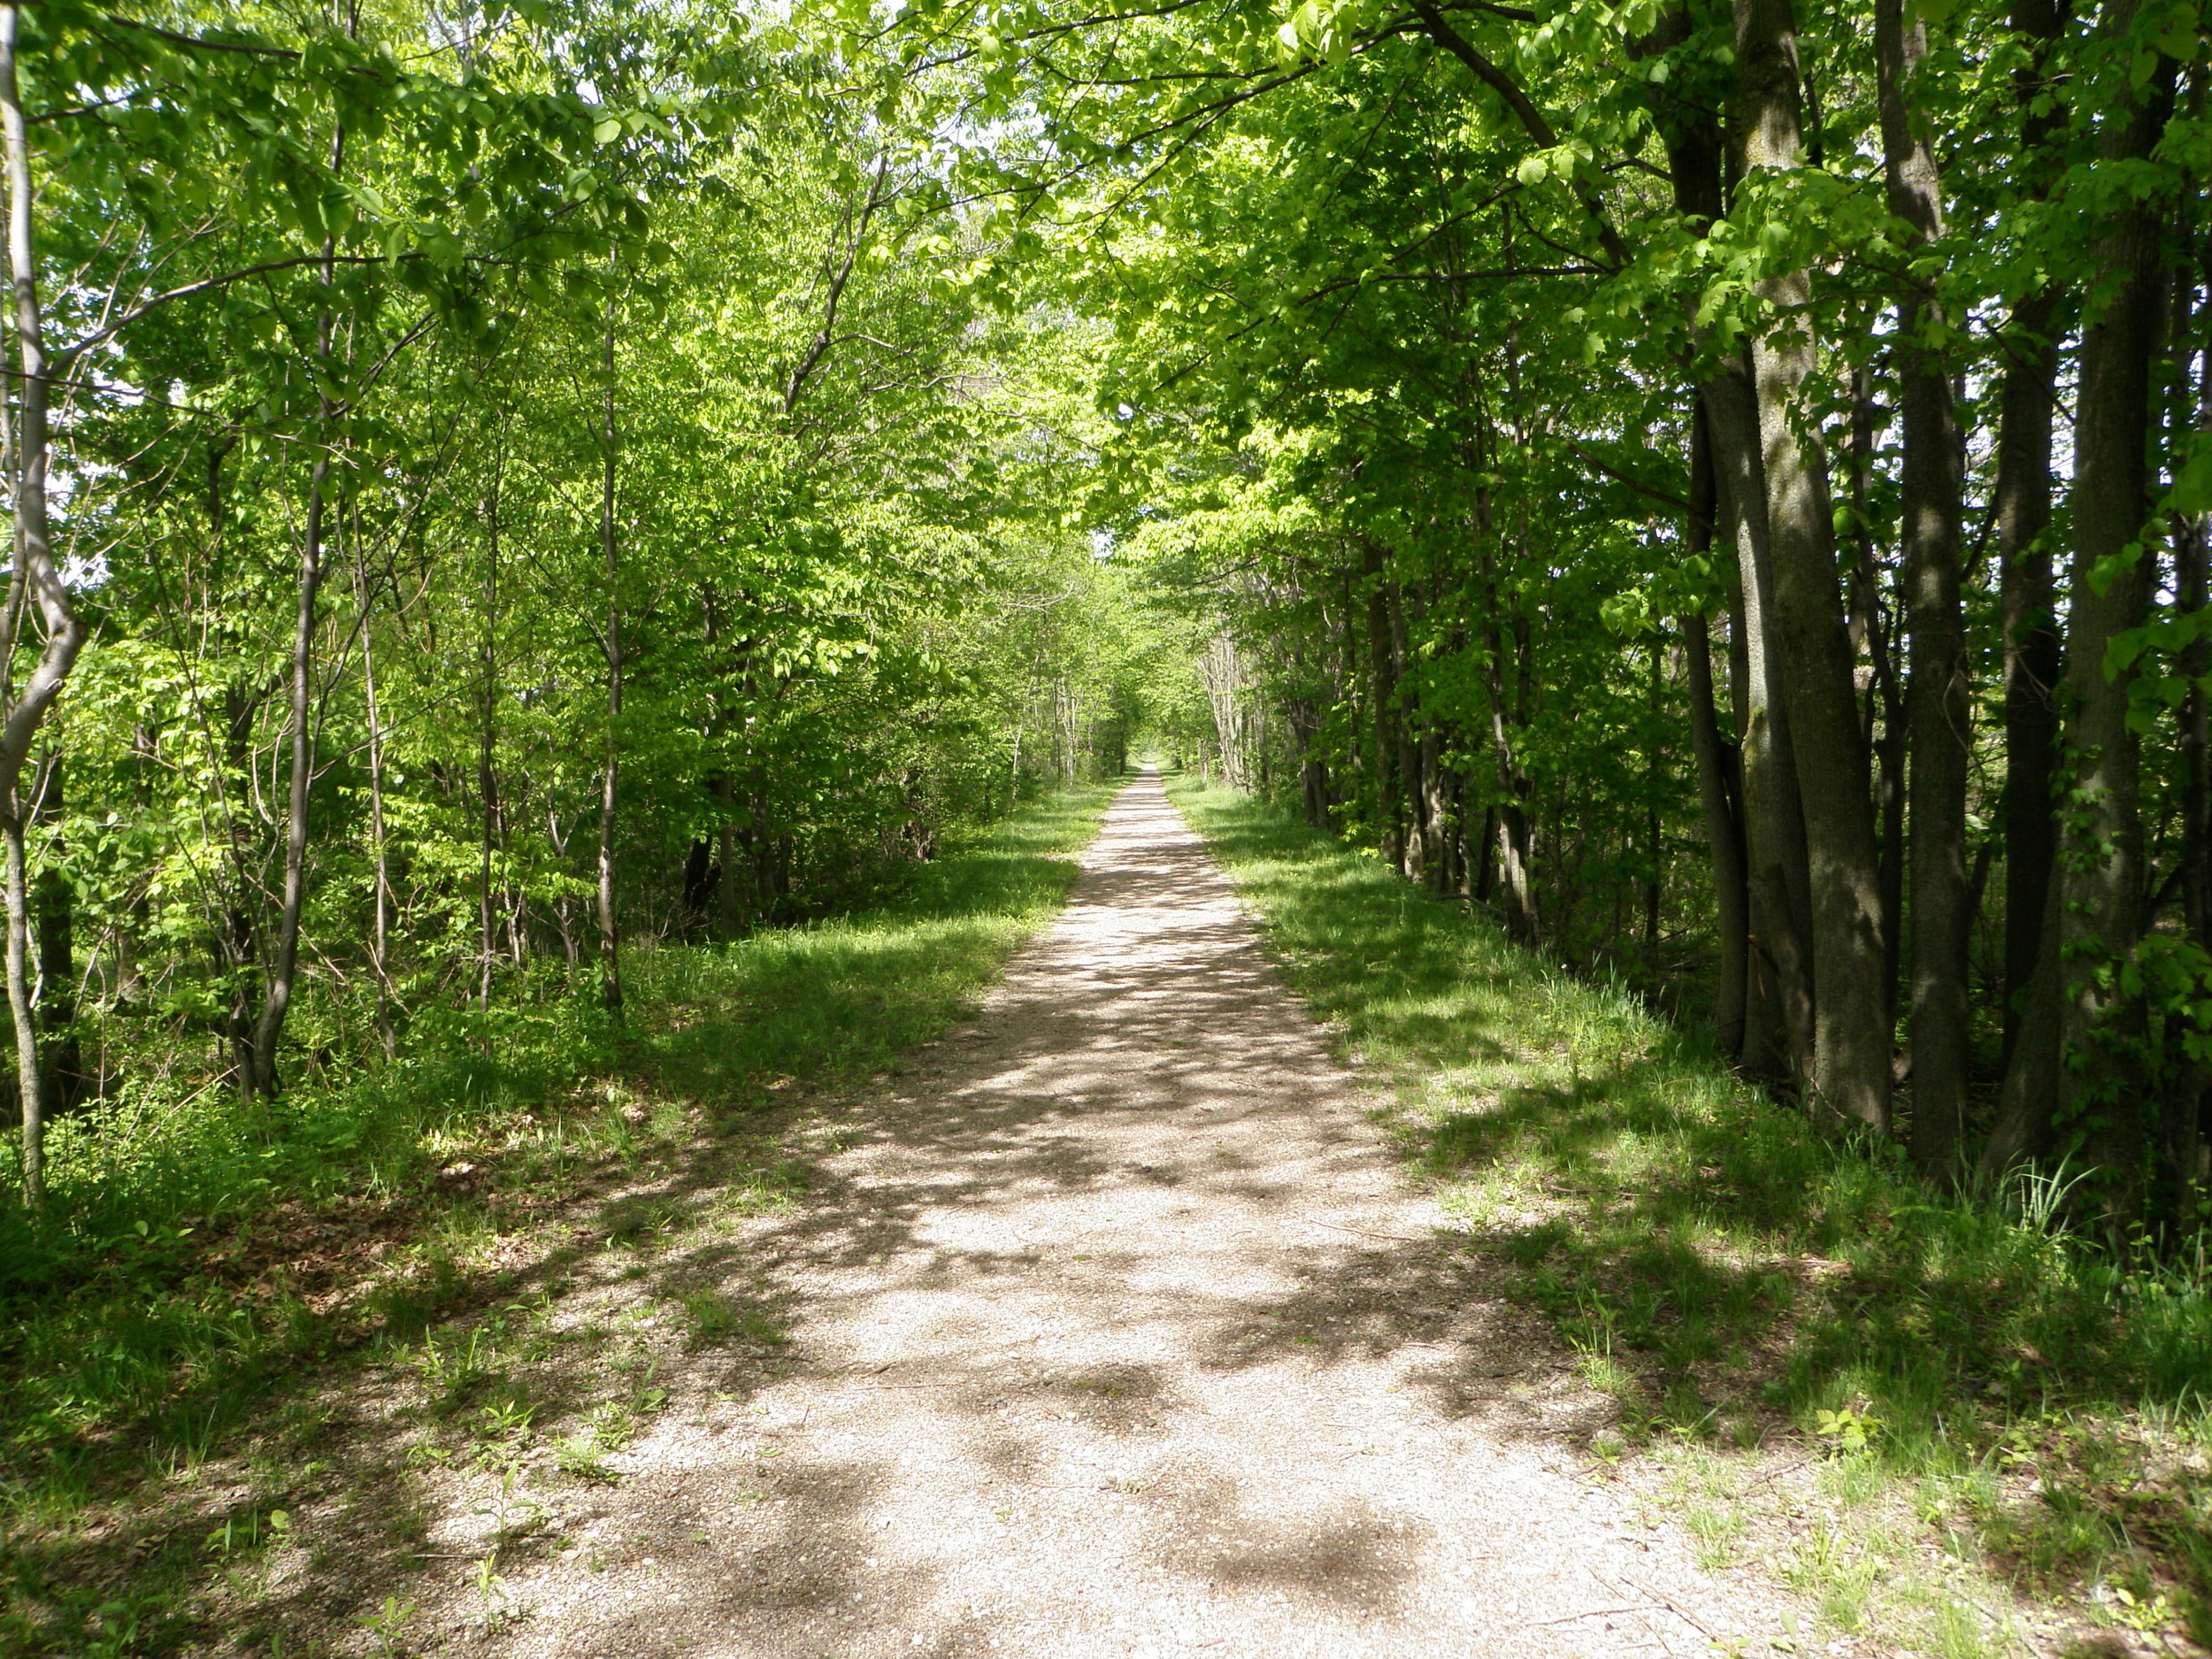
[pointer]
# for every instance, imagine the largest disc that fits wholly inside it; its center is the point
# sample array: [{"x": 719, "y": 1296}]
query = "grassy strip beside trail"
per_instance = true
[
  {"x": 1972, "y": 1392},
  {"x": 191, "y": 1267}
]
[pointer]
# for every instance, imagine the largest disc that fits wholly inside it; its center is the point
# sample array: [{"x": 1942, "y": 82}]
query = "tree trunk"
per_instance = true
[
  {"x": 53, "y": 904},
  {"x": 1870, "y": 631},
  {"x": 1413, "y": 854},
  {"x": 2193, "y": 590},
  {"x": 1516, "y": 898},
  {"x": 260, "y": 1078},
  {"x": 268, "y": 1030},
  {"x": 380, "y": 921},
  {"x": 1723, "y": 838},
  {"x": 559, "y": 839},
  {"x": 1780, "y": 992},
  {"x": 1932, "y": 484},
  {"x": 2026, "y": 401},
  {"x": 1850, "y": 1076},
  {"x": 609, "y": 939},
  {"x": 1389, "y": 805},
  {"x": 30, "y": 1084},
  {"x": 2109, "y": 589},
  {"x": 1743, "y": 1020},
  {"x": 486, "y": 744},
  {"x": 1715, "y": 768},
  {"x": 729, "y": 915},
  {"x": 1313, "y": 768},
  {"x": 1655, "y": 849},
  {"x": 2070, "y": 1063},
  {"x": 2188, "y": 1156},
  {"x": 240, "y": 942},
  {"x": 2033, "y": 658},
  {"x": 1436, "y": 867},
  {"x": 38, "y": 583}
]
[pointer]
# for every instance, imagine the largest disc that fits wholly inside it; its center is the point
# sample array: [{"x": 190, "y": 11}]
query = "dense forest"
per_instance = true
[
  {"x": 519, "y": 503},
  {"x": 492, "y": 486},
  {"x": 1727, "y": 490}
]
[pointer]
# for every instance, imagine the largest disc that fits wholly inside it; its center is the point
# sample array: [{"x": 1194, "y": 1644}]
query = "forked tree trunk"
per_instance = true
[
  {"x": 1741, "y": 1017},
  {"x": 1850, "y": 1075},
  {"x": 2079, "y": 1072},
  {"x": 1777, "y": 876},
  {"x": 38, "y": 585},
  {"x": 1932, "y": 484}
]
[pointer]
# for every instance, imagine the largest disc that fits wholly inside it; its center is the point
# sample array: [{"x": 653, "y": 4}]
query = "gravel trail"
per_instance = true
[{"x": 1118, "y": 1330}]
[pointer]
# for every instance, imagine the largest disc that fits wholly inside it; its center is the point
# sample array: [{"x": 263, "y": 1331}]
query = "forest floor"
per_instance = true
[{"x": 1124, "y": 1317}]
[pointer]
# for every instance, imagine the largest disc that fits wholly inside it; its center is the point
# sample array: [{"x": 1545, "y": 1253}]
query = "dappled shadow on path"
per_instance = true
[{"x": 1106, "y": 1324}]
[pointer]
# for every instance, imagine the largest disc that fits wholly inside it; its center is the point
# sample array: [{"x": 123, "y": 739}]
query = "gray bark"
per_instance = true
[
  {"x": 1717, "y": 772},
  {"x": 609, "y": 938},
  {"x": 2027, "y": 400},
  {"x": 2072, "y": 1061},
  {"x": 38, "y": 586},
  {"x": 2101, "y": 860},
  {"x": 1932, "y": 484},
  {"x": 1778, "y": 874},
  {"x": 1850, "y": 1074}
]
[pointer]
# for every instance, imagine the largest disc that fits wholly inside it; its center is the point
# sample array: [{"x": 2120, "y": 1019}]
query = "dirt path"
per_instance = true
[{"x": 1119, "y": 1332}]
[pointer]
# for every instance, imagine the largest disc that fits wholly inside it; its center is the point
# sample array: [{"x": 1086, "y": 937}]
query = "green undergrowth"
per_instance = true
[
  {"x": 192, "y": 1262},
  {"x": 1962, "y": 1386}
]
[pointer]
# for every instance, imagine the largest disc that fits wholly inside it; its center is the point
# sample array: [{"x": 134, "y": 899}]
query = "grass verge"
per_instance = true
[
  {"x": 173, "y": 1338},
  {"x": 1888, "y": 1398}
]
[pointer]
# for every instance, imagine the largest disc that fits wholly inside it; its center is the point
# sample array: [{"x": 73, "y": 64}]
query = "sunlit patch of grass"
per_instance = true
[
  {"x": 1718, "y": 1530},
  {"x": 713, "y": 1318},
  {"x": 767, "y": 1191},
  {"x": 1721, "y": 1270}
]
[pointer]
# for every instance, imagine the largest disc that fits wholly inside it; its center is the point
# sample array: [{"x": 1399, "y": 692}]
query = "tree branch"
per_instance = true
[
  {"x": 1532, "y": 118},
  {"x": 207, "y": 284},
  {"x": 826, "y": 336},
  {"x": 197, "y": 44}
]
